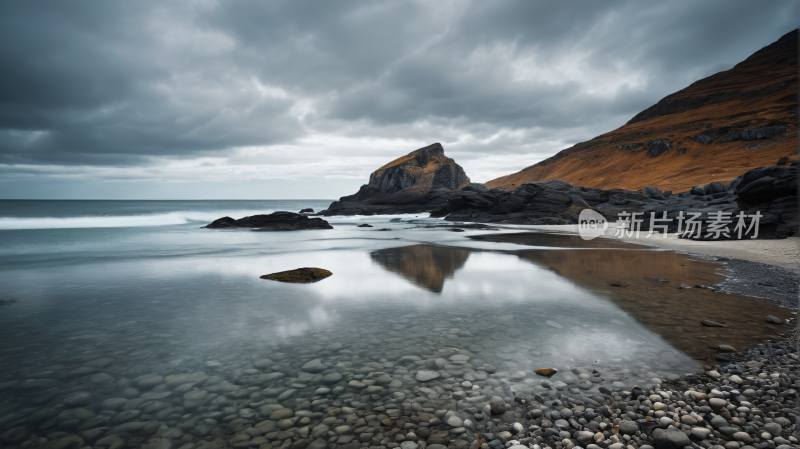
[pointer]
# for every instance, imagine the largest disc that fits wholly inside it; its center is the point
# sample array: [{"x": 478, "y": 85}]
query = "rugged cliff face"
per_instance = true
[
  {"x": 416, "y": 182},
  {"x": 713, "y": 130}
]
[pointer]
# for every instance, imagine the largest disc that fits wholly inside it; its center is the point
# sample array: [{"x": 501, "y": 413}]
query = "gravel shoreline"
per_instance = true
[{"x": 749, "y": 403}]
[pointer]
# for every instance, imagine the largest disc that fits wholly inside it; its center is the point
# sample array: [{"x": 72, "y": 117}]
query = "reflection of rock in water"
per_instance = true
[
  {"x": 662, "y": 307},
  {"x": 424, "y": 265}
]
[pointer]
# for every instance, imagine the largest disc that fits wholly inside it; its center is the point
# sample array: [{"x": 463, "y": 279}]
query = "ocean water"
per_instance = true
[{"x": 130, "y": 318}]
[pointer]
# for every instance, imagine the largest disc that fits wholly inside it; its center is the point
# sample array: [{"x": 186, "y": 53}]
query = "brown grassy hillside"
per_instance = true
[{"x": 759, "y": 92}]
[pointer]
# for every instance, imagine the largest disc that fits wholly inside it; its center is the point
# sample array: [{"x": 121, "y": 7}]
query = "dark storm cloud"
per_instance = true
[{"x": 122, "y": 83}]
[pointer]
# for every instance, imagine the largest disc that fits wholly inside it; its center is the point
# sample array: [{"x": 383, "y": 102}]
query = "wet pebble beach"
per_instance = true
[{"x": 415, "y": 393}]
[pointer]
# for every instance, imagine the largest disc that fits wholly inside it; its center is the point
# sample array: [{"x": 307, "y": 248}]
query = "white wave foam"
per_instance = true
[{"x": 121, "y": 221}]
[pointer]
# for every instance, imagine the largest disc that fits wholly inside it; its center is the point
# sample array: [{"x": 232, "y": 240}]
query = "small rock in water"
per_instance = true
[
  {"x": 454, "y": 421},
  {"x": 299, "y": 275},
  {"x": 711, "y": 323},
  {"x": 425, "y": 375},
  {"x": 497, "y": 405},
  {"x": 435, "y": 364},
  {"x": 365, "y": 225},
  {"x": 313, "y": 366},
  {"x": 332, "y": 378},
  {"x": 545, "y": 371},
  {"x": 284, "y": 413},
  {"x": 77, "y": 399},
  {"x": 772, "y": 319}
]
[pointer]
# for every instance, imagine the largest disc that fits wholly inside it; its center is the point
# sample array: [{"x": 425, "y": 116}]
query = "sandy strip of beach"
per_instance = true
[{"x": 783, "y": 253}]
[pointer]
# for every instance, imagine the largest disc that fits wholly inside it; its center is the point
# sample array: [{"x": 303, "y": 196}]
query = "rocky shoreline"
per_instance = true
[
  {"x": 770, "y": 192},
  {"x": 749, "y": 403}
]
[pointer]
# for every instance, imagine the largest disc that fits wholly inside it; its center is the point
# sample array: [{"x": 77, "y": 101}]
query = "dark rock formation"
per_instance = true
[
  {"x": 771, "y": 191},
  {"x": 276, "y": 221},
  {"x": 658, "y": 147},
  {"x": 417, "y": 182},
  {"x": 707, "y": 189},
  {"x": 680, "y": 151},
  {"x": 754, "y": 134},
  {"x": 365, "y": 225},
  {"x": 548, "y": 202},
  {"x": 704, "y": 139},
  {"x": 629, "y": 146},
  {"x": 307, "y": 210},
  {"x": 299, "y": 275}
]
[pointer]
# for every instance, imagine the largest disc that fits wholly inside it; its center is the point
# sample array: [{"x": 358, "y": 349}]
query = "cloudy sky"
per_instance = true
[{"x": 299, "y": 99}]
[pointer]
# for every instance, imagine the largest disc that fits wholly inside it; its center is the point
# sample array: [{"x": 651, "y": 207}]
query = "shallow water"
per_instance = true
[{"x": 111, "y": 311}]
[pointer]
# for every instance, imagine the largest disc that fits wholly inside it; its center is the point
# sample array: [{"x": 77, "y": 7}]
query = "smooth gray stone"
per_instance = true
[{"x": 425, "y": 375}]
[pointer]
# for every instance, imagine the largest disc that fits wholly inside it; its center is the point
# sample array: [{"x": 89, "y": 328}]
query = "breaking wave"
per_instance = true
[{"x": 120, "y": 221}]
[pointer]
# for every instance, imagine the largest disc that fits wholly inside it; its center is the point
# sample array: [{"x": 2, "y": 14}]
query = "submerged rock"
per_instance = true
[
  {"x": 545, "y": 371},
  {"x": 299, "y": 275},
  {"x": 276, "y": 221},
  {"x": 711, "y": 323},
  {"x": 772, "y": 319},
  {"x": 425, "y": 375}
]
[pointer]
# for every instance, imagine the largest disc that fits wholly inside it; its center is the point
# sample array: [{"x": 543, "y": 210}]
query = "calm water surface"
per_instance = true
[{"x": 128, "y": 313}]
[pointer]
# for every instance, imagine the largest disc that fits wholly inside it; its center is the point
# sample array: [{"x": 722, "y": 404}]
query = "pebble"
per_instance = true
[
  {"x": 425, "y": 375},
  {"x": 77, "y": 399}
]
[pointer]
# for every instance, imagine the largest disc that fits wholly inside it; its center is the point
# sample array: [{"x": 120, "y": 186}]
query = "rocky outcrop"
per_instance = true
[
  {"x": 771, "y": 191},
  {"x": 658, "y": 147},
  {"x": 754, "y": 134},
  {"x": 549, "y": 202},
  {"x": 276, "y": 221},
  {"x": 417, "y": 182}
]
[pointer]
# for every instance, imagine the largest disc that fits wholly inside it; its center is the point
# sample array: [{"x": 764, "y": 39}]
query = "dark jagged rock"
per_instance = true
[
  {"x": 707, "y": 189},
  {"x": 704, "y": 139},
  {"x": 772, "y": 191},
  {"x": 276, "y": 221},
  {"x": 365, "y": 225},
  {"x": 658, "y": 147},
  {"x": 655, "y": 193},
  {"x": 754, "y": 134},
  {"x": 307, "y": 210},
  {"x": 549, "y": 202},
  {"x": 417, "y": 182}
]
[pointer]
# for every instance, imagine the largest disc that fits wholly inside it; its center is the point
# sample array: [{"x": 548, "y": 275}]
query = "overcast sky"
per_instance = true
[{"x": 300, "y": 99}]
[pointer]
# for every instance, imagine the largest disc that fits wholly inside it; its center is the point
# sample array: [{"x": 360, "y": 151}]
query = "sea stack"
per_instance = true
[{"x": 417, "y": 182}]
